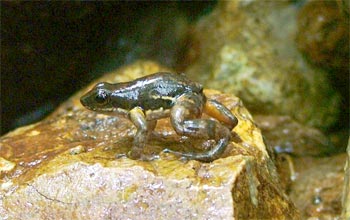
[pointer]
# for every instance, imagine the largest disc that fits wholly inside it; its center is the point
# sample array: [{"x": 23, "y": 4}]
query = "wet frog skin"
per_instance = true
[{"x": 145, "y": 100}]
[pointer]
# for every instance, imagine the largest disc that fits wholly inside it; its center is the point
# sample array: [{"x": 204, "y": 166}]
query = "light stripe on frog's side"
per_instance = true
[
  {"x": 162, "y": 97},
  {"x": 157, "y": 113}
]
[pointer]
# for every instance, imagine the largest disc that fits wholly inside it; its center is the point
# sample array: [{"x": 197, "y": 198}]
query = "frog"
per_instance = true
[{"x": 165, "y": 95}]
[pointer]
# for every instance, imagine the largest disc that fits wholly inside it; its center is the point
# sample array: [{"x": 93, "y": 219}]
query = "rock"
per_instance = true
[
  {"x": 346, "y": 189},
  {"x": 323, "y": 36},
  {"x": 247, "y": 49},
  {"x": 288, "y": 140},
  {"x": 285, "y": 135},
  {"x": 344, "y": 7},
  {"x": 317, "y": 189},
  {"x": 65, "y": 167},
  {"x": 313, "y": 182},
  {"x": 303, "y": 170}
]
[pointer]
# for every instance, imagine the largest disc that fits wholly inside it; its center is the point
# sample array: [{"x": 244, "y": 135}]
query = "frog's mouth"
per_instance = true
[
  {"x": 91, "y": 105},
  {"x": 110, "y": 111},
  {"x": 85, "y": 101}
]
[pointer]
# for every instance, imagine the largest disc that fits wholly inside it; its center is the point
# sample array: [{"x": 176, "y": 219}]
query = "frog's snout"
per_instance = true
[{"x": 84, "y": 100}]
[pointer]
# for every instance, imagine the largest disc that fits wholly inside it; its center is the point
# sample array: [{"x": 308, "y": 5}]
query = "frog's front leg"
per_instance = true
[
  {"x": 184, "y": 118},
  {"x": 144, "y": 128}
]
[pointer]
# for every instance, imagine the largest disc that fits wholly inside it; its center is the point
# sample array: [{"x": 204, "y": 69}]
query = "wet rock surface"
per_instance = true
[
  {"x": 248, "y": 49},
  {"x": 309, "y": 173},
  {"x": 66, "y": 167},
  {"x": 286, "y": 135},
  {"x": 318, "y": 186}
]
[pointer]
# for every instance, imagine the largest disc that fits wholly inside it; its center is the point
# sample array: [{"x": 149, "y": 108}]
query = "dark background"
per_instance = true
[{"x": 49, "y": 50}]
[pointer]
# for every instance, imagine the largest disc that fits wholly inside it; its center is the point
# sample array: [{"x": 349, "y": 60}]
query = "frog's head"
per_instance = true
[{"x": 98, "y": 98}]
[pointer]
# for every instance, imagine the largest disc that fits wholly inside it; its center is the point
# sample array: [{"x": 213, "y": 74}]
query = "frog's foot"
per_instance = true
[
  {"x": 142, "y": 157},
  {"x": 145, "y": 157},
  {"x": 136, "y": 156},
  {"x": 184, "y": 118},
  {"x": 209, "y": 129},
  {"x": 208, "y": 156}
]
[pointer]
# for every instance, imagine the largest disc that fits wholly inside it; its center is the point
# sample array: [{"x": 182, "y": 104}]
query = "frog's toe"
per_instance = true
[
  {"x": 166, "y": 150},
  {"x": 149, "y": 157},
  {"x": 179, "y": 154},
  {"x": 118, "y": 156},
  {"x": 184, "y": 159},
  {"x": 182, "y": 156}
]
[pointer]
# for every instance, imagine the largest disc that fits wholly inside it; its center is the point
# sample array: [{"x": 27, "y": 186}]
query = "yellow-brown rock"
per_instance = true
[{"x": 64, "y": 167}]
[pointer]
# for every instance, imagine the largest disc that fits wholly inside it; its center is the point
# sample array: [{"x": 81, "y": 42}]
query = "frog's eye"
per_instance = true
[{"x": 101, "y": 97}]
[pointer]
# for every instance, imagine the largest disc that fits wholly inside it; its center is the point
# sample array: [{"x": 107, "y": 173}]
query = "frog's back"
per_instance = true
[
  {"x": 174, "y": 82},
  {"x": 161, "y": 89}
]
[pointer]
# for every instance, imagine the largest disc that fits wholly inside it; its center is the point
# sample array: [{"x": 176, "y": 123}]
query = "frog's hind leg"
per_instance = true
[
  {"x": 205, "y": 128},
  {"x": 184, "y": 118},
  {"x": 220, "y": 112}
]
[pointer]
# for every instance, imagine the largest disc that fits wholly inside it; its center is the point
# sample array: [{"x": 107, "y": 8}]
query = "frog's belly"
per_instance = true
[{"x": 157, "y": 114}]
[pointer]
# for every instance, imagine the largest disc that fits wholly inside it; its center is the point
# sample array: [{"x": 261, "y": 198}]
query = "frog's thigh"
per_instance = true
[
  {"x": 138, "y": 118},
  {"x": 188, "y": 106}
]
